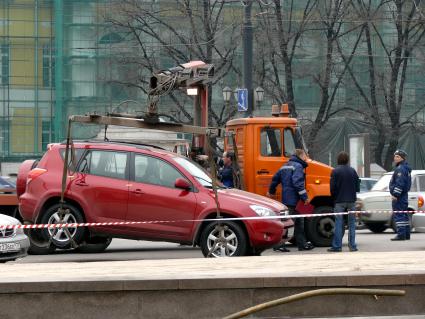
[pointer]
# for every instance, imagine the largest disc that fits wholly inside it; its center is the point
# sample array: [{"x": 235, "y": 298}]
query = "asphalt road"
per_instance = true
[{"x": 121, "y": 249}]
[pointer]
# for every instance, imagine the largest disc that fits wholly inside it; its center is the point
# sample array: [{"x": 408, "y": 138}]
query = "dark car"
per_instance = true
[
  {"x": 8, "y": 198},
  {"x": 119, "y": 182}
]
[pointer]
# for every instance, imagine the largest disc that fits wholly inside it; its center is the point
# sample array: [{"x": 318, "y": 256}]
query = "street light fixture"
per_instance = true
[
  {"x": 227, "y": 94},
  {"x": 235, "y": 93},
  {"x": 259, "y": 94}
]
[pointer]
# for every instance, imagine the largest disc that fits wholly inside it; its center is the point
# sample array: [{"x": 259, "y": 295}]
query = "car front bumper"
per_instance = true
[
  {"x": 418, "y": 222},
  {"x": 20, "y": 239}
]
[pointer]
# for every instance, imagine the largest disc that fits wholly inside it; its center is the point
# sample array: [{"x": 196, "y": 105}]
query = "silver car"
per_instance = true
[
  {"x": 13, "y": 242},
  {"x": 379, "y": 199}
]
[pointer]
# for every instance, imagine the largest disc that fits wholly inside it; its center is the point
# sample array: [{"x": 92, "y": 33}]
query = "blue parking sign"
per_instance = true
[{"x": 242, "y": 100}]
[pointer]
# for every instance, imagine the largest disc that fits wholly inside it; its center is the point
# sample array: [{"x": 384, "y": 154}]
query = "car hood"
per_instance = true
[
  {"x": 7, "y": 220},
  {"x": 251, "y": 199}
]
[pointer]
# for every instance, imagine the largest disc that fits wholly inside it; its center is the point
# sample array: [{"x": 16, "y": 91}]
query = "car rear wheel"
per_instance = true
[
  {"x": 95, "y": 245},
  {"x": 59, "y": 236},
  {"x": 377, "y": 228},
  {"x": 319, "y": 230},
  {"x": 224, "y": 239}
]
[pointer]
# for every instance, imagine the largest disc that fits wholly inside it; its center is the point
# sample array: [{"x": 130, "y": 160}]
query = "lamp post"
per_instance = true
[
  {"x": 247, "y": 54},
  {"x": 259, "y": 95}
]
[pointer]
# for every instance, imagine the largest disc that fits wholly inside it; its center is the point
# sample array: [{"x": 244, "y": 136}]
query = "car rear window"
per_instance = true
[{"x": 78, "y": 152}]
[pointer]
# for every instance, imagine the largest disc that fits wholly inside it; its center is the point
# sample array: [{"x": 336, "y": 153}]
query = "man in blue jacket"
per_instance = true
[
  {"x": 345, "y": 183},
  {"x": 399, "y": 187},
  {"x": 292, "y": 178},
  {"x": 226, "y": 173}
]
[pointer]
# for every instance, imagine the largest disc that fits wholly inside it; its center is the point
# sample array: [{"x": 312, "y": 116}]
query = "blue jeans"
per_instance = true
[{"x": 339, "y": 226}]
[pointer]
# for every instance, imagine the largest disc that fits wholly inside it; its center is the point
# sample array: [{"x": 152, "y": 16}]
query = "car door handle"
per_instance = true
[
  {"x": 138, "y": 191},
  {"x": 81, "y": 184},
  {"x": 263, "y": 171}
]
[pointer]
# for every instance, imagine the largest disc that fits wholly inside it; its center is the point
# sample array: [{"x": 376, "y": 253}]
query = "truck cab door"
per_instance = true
[{"x": 276, "y": 145}]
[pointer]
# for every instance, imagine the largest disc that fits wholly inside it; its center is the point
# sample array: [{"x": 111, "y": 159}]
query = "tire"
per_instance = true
[
  {"x": 377, "y": 228},
  {"x": 94, "y": 245},
  {"x": 60, "y": 239},
  {"x": 39, "y": 245},
  {"x": 238, "y": 240},
  {"x": 320, "y": 230}
]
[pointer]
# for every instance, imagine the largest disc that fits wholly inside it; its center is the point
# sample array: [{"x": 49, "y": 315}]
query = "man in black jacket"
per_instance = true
[{"x": 345, "y": 183}]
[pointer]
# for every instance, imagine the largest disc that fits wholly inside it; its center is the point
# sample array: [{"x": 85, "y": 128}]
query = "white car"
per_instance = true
[
  {"x": 418, "y": 222},
  {"x": 13, "y": 242},
  {"x": 379, "y": 198}
]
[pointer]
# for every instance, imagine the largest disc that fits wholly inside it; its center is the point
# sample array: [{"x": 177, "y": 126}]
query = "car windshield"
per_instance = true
[
  {"x": 382, "y": 184},
  {"x": 195, "y": 170}
]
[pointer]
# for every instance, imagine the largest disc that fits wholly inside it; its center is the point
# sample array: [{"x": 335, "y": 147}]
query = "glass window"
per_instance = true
[
  {"x": 383, "y": 183},
  {"x": 4, "y": 64},
  {"x": 414, "y": 187},
  {"x": 105, "y": 163},
  {"x": 289, "y": 142},
  {"x": 195, "y": 170},
  {"x": 151, "y": 170},
  {"x": 270, "y": 143},
  {"x": 421, "y": 179},
  {"x": 48, "y": 66}
]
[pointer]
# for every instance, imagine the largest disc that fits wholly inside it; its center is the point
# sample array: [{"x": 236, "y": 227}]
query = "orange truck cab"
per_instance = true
[{"x": 264, "y": 144}]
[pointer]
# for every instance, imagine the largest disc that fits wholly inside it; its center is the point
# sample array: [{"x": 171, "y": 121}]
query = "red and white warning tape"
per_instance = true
[{"x": 74, "y": 225}]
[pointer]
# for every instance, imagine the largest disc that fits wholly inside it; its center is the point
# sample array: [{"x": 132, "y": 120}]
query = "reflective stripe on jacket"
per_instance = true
[{"x": 292, "y": 178}]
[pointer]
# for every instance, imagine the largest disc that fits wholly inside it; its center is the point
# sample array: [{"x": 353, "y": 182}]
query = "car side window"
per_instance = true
[
  {"x": 105, "y": 163},
  {"x": 413, "y": 187},
  {"x": 151, "y": 170},
  {"x": 421, "y": 179}
]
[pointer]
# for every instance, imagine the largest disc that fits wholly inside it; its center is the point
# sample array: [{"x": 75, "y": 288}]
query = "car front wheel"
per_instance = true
[
  {"x": 224, "y": 239},
  {"x": 60, "y": 237}
]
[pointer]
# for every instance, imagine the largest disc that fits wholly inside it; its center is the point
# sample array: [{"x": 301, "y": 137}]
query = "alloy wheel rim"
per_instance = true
[
  {"x": 227, "y": 242},
  {"x": 58, "y": 234}
]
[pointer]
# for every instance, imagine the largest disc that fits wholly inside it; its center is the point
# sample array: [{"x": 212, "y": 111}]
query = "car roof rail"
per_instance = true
[{"x": 123, "y": 142}]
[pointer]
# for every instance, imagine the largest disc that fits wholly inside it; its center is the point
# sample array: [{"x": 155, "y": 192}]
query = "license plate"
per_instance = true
[{"x": 4, "y": 248}]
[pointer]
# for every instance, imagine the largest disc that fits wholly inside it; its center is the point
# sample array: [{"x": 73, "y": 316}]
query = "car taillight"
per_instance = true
[
  {"x": 420, "y": 201},
  {"x": 34, "y": 173}
]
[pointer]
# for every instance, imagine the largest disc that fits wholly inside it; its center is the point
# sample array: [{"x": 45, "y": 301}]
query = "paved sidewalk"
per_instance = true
[{"x": 284, "y": 266}]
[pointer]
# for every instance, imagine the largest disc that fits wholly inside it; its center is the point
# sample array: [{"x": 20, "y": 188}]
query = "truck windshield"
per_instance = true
[{"x": 299, "y": 140}]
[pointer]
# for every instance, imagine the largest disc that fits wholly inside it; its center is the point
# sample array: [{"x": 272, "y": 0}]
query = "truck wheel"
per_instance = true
[
  {"x": 235, "y": 241},
  {"x": 59, "y": 237},
  {"x": 377, "y": 228},
  {"x": 319, "y": 230},
  {"x": 38, "y": 243},
  {"x": 94, "y": 245}
]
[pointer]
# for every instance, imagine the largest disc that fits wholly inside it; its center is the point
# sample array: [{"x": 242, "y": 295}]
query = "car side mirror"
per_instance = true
[{"x": 182, "y": 184}]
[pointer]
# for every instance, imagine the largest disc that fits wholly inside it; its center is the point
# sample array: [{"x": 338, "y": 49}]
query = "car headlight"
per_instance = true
[
  {"x": 19, "y": 231},
  {"x": 262, "y": 211}
]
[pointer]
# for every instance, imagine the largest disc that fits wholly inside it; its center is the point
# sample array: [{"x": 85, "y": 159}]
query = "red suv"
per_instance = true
[{"x": 123, "y": 182}]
